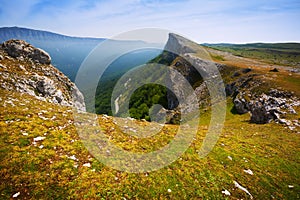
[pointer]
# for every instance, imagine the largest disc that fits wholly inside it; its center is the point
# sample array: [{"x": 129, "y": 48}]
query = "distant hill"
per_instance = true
[
  {"x": 67, "y": 53},
  {"x": 287, "y": 54},
  {"x": 7, "y": 33},
  {"x": 288, "y": 45}
]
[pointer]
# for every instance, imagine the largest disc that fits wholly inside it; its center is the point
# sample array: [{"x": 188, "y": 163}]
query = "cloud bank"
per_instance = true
[{"x": 203, "y": 21}]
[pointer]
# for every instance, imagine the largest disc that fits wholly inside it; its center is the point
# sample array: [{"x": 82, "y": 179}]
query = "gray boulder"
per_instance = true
[
  {"x": 267, "y": 108},
  {"x": 260, "y": 114},
  {"x": 45, "y": 86},
  {"x": 78, "y": 98},
  {"x": 20, "y": 49},
  {"x": 241, "y": 104}
]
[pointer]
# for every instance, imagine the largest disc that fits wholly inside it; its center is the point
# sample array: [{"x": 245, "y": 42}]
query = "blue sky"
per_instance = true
[{"x": 235, "y": 21}]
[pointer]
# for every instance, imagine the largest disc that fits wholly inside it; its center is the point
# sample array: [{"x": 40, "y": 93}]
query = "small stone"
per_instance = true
[
  {"x": 2, "y": 66},
  {"x": 39, "y": 138},
  {"x": 169, "y": 190},
  {"x": 236, "y": 184},
  {"x": 73, "y": 157},
  {"x": 226, "y": 192},
  {"x": 284, "y": 121},
  {"x": 292, "y": 110},
  {"x": 22, "y": 67},
  {"x": 248, "y": 171},
  {"x": 16, "y": 195},
  {"x": 292, "y": 128},
  {"x": 87, "y": 165}
]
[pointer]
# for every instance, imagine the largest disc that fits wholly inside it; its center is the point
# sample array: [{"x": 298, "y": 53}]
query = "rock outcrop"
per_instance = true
[
  {"x": 179, "y": 44},
  {"x": 267, "y": 107},
  {"x": 272, "y": 107},
  {"x": 245, "y": 86},
  {"x": 20, "y": 49},
  {"x": 241, "y": 103},
  {"x": 27, "y": 69},
  {"x": 191, "y": 69},
  {"x": 196, "y": 66}
]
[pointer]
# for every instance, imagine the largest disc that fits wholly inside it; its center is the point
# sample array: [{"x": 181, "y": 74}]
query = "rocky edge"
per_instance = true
[{"x": 28, "y": 70}]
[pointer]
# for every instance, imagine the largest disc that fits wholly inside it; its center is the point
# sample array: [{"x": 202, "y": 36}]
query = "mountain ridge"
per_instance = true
[{"x": 20, "y": 32}]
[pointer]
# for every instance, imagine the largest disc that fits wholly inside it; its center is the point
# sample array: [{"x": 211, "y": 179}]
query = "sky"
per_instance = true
[{"x": 204, "y": 21}]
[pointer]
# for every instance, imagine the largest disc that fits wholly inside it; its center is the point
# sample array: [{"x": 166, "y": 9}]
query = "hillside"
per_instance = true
[
  {"x": 286, "y": 54},
  {"x": 44, "y": 157}
]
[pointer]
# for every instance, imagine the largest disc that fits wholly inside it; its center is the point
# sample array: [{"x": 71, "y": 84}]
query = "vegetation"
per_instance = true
[
  {"x": 113, "y": 73},
  {"x": 217, "y": 57},
  {"x": 144, "y": 98},
  {"x": 278, "y": 53},
  {"x": 54, "y": 167},
  {"x": 43, "y": 157}
]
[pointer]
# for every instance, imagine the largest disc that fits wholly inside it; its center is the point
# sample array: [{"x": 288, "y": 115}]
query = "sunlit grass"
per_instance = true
[{"x": 48, "y": 172}]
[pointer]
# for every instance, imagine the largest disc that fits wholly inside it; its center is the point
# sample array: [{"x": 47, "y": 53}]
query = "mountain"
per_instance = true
[
  {"x": 7, "y": 33},
  {"x": 67, "y": 53}
]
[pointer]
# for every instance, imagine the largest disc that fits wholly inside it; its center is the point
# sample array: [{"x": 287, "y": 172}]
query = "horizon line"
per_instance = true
[{"x": 201, "y": 43}]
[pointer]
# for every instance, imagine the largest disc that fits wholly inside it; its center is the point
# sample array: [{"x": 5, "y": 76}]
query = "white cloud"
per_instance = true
[{"x": 203, "y": 21}]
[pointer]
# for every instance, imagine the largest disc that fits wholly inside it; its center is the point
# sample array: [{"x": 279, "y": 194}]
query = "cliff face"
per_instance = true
[
  {"x": 195, "y": 65},
  {"x": 249, "y": 89},
  {"x": 26, "y": 69},
  {"x": 179, "y": 44}
]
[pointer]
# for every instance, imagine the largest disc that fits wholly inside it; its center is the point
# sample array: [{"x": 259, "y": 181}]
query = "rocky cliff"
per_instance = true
[
  {"x": 250, "y": 90},
  {"x": 27, "y": 69},
  {"x": 194, "y": 63}
]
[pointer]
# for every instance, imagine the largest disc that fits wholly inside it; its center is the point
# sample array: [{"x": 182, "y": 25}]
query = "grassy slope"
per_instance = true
[
  {"x": 270, "y": 151},
  {"x": 282, "y": 80},
  {"x": 279, "y": 53}
]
